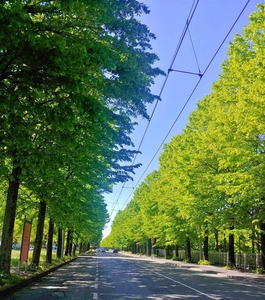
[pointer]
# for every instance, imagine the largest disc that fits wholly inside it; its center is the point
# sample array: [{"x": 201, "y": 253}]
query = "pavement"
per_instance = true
[
  {"x": 28, "y": 280},
  {"x": 210, "y": 269},
  {"x": 216, "y": 270}
]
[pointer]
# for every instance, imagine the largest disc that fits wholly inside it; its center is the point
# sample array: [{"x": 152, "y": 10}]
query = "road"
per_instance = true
[{"x": 111, "y": 276}]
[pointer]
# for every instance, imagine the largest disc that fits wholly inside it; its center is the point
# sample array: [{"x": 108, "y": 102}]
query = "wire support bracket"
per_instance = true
[{"x": 191, "y": 73}]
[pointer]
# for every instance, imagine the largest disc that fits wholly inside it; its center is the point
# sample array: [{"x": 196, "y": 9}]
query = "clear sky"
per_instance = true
[{"x": 211, "y": 22}]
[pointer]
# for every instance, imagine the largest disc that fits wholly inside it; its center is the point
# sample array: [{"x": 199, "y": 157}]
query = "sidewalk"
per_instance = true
[
  {"x": 27, "y": 280},
  {"x": 208, "y": 269}
]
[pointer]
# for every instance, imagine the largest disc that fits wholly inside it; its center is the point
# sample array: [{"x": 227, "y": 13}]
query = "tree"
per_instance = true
[
  {"x": 64, "y": 80},
  {"x": 212, "y": 175}
]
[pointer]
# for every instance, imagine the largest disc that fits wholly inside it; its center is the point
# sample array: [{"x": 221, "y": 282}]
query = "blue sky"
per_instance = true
[{"x": 211, "y": 22}]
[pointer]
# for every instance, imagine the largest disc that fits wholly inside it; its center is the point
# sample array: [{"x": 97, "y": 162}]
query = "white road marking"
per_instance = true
[
  {"x": 187, "y": 286},
  {"x": 95, "y": 295}
]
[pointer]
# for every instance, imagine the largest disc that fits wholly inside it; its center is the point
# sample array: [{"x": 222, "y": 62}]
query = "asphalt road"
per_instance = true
[{"x": 110, "y": 276}]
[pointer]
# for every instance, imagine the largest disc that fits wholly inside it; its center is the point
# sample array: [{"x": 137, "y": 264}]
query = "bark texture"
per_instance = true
[
  {"x": 9, "y": 219},
  {"x": 188, "y": 248},
  {"x": 177, "y": 250},
  {"x": 206, "y": 247},
  {"x": 231, "y": 251},
  {"x": 262, "y": 243},
  {"x": 60, "y": 243},
  {"x": 50, "y": 242},
  {"x": 39, "y": 235},
  {"x": 68, "y": 247}
]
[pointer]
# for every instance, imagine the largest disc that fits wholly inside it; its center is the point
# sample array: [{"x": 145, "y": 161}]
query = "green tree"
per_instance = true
[{"x": 66, "y": 79}]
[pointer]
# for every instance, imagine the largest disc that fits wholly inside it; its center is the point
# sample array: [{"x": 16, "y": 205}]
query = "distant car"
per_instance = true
[
  {"x": 16, "y": 246},
  {"x": 54, "y": 249},
  {"x": 103, "y": 250},
  {"x": 115, "y": 250},
  {"x": 31, "y": 247}
]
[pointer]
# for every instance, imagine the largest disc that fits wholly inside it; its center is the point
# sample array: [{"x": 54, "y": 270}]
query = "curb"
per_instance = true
[{"x": 25, "y": 282}]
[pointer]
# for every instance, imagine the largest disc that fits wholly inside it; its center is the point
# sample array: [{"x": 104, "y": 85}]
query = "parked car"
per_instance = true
[
  {"x": 31, "y": 247},
  {"x": 16, "y": 246},
  {"x": 115, "y": 250}
]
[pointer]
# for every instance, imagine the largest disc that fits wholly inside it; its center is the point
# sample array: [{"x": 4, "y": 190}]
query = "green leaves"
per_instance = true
[
  {"x": 66, "y": 70},
  {"x": 211, "y": 177}
]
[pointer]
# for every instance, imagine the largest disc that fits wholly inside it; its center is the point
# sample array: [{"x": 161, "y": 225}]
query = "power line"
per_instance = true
[
  {"x": 191, "y": 14},
  {"x": 194, "y": 52},
  {"x": 188, "y": 21},
  {"x": 187, "y": 101},
  {"x": 170, "y": 69}
]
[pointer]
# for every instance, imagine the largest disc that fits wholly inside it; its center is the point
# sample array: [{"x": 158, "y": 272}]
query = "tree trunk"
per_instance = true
[
  {"x": 149, "y": 248},
  {"x": 253, "y": 237},
  {"x": 133, "y": 248},
  {"x": 177, "y": 250},
  {"x": 167, "y": 251},
  {"x": 258, "y": 242},
  {"x": 68, "y": 244},
  {"x": 50, "y": 242},
  {"x": 60, "y": 243},
  {"x": 225, "y": 245},
  {"x": 9, "y": 220},
  {"x": 39, "y": 235},
  {"x": 74, "y": 249},
  {"x": 71, "y": 242},
  {"x": 216, "y": 236},
  {"x": 206, "y": 246},
  {"x": 188, "y": 248},
  {"x": 231, "y": 251},
  {"x": 262, "y": 243}
]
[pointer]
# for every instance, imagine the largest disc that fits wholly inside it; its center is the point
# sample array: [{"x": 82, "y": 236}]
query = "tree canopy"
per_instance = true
[
  {"x": 211, "y": 175},
  {"x": 73, "y": 76}
]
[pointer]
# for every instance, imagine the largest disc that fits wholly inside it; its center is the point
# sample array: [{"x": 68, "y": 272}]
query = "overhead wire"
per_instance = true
[
  {"x": 187, "y": 101},
  {"x": 184, "y": 31},
  {"x": 190, "y": 16},
  {"x": 186, "y": 28},
  {"x": 195, "y": 55}
]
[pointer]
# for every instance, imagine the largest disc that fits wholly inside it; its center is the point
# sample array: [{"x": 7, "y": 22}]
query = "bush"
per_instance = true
[
  {"x": 177, "y": 258},
  {"x": 204, "y": 262},
  {"x": 228, "y": 268},
  {"x": 9, "y": 279},
  {"x": 14, "y": 262},
  {"x": 258, "y": 271},
  {"x": 186, "y": 260},
  {"x": 168, "y": 257}
]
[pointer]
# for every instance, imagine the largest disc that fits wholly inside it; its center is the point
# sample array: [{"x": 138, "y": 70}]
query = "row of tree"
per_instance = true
[
  {"x": 211, "y": 179},
  {"x": 73, "y": 75}
]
